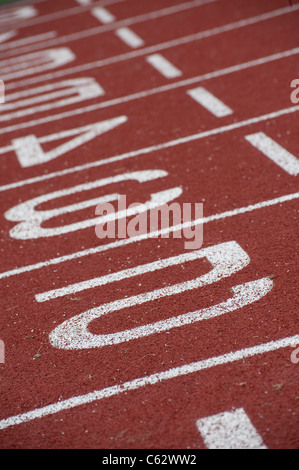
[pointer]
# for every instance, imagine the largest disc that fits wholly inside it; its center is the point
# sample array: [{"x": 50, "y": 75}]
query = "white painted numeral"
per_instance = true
[
  {"x": 32, "y": 219},
  {"x": 36, "y": 62},
  {"x": 226, "y": 259},
  {"x": 64, "y": 93},
  {"x": 30, "y": 152}
]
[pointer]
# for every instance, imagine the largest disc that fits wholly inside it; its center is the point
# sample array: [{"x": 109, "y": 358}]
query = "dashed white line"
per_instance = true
[
  {"x": 64, "y": 13},
  {"x": 157, "y": 90},
  {"x": 170, "y": 10},
  {"x": 84, "y": 2},
  {"x": 162, "y": 65},
  {"x": 210, "y": 102},
  {"x": 129, "y": 37},
  {"x": 153, "y": 379},
  {"x": 279, "y": 155},
  {"x": 154, "y": 49},
  {"x": 103, "y": 15},
  {"x": 230, "y": 430},
  {"x": 30, "y": 40}
]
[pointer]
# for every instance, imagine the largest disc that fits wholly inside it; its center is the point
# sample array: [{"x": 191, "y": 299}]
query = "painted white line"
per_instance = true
[
  {"x": 275, "y": 152},
  {"x": 128, "y": 241},
  {"x": 153, "y": 148},
  {"x": 84, "y": 2},
  {"x": 65, "y": 13},
  {"x": 157, "y": 90},
  {"x": 210, "y": 102},
  {"x": 230, "y": 430},
  {"x": 126, "y": 22},
  {"x": 162, "y": 65},
  {"x": 30, "y": 40},
  {"x": 12, "y": 6},
  {"x": 129, "y": 37},
  {"x": 153, "y": 379},
  {"x": 103, "y": 15},
  {"x": 158, "y": 47}
]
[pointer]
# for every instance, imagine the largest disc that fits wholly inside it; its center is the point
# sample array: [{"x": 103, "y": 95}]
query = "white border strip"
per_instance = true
[
  {"x": 103, "y": 15},
  {"x": 148, "y": 380},
  {"x": 163, "y": 66},
  {"x": 130, "y": 38},
  {"x": 229, "y": 430},
  {"x": 209, "y": 102},
  {"x": 271, "y": 149}
]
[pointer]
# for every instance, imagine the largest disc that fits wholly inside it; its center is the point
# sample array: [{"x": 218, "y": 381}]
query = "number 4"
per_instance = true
[{"x": 30, "y": 152}]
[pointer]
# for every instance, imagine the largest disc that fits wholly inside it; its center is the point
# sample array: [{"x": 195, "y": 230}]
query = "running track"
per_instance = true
[{"x": 139, "y": 342}]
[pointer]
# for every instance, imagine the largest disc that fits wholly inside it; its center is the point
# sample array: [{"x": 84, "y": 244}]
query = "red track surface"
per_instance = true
[{"x": 213, "y": 164}]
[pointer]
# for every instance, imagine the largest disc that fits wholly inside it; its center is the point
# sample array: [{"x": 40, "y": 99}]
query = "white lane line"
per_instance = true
[
  {"x": 210, "y": 102},
  {"x": 129, "y": 37},
  {"x": 126, "y": 22},
  {"x": 153, "y": 49},
  {"x": 229, "y": 430},
  {"x": 279, "y": 155},
  {"x": 152, "y": 379},
  {"x": 162, "y": 65},
  {"x": 153, "y": 148},
  {"x": 128, "y": 241},
  {"x": 30, "y": 40},
  {"x": 153, "y": 91},
  {"x": 84, "y": 2},
  {"x": 103, "y": 15}
]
